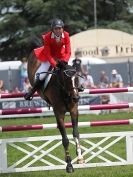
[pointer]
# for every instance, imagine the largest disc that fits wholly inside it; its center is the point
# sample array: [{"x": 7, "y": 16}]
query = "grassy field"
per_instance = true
[{"x": 121, "y": 171}]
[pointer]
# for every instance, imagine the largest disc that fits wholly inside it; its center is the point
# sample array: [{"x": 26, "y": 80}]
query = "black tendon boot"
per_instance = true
[
  {"x": 80, "y": 88},
  {"x": 29, "y": 95}
]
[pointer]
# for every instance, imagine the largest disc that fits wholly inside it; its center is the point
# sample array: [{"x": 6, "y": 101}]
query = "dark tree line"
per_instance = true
[{"x": 23, "y": 21}]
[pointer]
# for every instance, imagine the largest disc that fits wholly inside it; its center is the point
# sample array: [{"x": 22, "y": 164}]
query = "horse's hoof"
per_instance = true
[
  {"x": 69, "y": 168},
  {"x": 80, "y": 161}
]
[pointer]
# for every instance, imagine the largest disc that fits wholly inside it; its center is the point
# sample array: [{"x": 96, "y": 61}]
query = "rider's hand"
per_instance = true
[{"x": 61, "y": 64}]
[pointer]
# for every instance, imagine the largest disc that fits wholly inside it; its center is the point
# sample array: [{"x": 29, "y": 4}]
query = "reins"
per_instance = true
[{"x": 69, "y": 72}]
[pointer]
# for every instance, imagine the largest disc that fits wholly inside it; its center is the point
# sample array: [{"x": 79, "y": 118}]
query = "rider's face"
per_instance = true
[{"x": 58, "y": 31}]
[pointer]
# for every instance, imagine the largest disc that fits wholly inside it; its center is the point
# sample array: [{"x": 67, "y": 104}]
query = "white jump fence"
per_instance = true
[{"x": 47, "y": 153}]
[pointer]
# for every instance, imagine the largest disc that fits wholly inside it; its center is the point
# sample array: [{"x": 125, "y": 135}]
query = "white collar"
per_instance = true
[
  {"x": 63, "y": 35},
  {"x": 53, "y": 35}
]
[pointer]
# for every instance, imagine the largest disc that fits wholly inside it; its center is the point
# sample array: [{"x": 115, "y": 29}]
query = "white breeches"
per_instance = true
[{"x": 43, "y": 68}]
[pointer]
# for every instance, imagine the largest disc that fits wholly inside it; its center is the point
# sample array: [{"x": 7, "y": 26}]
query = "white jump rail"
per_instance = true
[
  {"x": 85, "y": 107},
  {"x": 67, "y": 125},
  {"x": 89, "y": 91}
]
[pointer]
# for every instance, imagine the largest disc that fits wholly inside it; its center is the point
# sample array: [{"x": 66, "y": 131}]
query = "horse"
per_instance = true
[{"x": 60, "y": 93}]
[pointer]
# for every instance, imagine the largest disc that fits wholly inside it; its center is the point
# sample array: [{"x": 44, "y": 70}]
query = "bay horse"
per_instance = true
[{"x": 60, "y": 93}]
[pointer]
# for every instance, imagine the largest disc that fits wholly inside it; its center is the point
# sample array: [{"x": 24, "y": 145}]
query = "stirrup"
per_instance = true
[{"x": 28, "y": 96}]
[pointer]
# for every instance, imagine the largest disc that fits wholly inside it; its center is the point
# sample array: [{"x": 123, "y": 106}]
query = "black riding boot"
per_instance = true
[{"x": 29, "y": 95}]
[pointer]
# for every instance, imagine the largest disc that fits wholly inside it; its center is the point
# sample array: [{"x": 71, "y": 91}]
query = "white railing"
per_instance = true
[{"x": 46, "y": 153}]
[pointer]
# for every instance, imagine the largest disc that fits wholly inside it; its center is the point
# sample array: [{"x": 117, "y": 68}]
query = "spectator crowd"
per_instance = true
[
  {"x": 24, "y": 84},
  {"x": 86, "y": 79}
]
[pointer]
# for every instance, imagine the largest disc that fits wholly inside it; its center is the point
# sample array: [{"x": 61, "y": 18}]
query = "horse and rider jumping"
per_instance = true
[{"x": 62, "y": 90}]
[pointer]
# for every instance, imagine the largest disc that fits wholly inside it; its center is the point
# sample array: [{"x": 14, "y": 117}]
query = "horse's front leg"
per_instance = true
[
  {"x": 74, "y": 119},
  {"x": 65, "y": 142}
]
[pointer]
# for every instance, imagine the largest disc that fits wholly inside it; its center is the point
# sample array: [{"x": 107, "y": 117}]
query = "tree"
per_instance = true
[{"x": 22, "y": 22}]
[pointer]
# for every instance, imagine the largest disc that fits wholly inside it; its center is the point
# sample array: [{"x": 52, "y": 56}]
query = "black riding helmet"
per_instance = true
[{"x": 57, "y": 23}]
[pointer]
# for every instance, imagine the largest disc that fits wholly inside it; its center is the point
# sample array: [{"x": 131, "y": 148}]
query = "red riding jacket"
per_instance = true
[{"x": 53, "y": 50}]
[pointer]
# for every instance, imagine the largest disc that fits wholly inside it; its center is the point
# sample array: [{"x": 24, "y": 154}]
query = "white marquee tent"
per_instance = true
[{"x": 89, "y": 60}]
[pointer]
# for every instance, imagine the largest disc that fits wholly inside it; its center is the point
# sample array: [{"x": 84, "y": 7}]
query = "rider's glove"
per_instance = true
[{"x": 61, "y": 64}]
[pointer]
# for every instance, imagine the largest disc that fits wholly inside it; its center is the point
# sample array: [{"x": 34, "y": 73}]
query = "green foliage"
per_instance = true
[
  {"x": 121, "y": 25},
  {"x": 21, "y": 21}
]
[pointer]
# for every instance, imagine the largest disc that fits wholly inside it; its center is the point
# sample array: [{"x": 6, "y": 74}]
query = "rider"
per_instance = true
[{"x": 56, "y": 48}]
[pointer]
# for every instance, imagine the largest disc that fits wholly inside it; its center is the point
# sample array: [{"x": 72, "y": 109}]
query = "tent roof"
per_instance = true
[{"x": 10, "y": 65}]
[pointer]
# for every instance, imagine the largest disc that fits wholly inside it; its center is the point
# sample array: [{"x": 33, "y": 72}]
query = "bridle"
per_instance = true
[{"x": 68, "y": 72}]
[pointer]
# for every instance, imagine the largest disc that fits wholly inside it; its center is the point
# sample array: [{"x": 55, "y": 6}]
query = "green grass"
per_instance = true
[{"x": 120, "y": 171}]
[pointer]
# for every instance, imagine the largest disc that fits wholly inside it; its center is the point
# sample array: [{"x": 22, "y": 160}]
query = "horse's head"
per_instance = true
[{"x": 67, "y": 80}]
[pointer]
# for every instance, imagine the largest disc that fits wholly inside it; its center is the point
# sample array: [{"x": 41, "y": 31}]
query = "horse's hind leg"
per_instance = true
[
  {"x": 74, "y": 119},
  {"x": 65, "y": 142}
]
